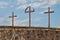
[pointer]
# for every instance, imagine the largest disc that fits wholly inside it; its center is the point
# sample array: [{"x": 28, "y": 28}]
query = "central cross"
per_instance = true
[
  {"x": 28, "y": 10},
  {"x": 12, "y": 18},
  {"x": 48, "y": 16}
]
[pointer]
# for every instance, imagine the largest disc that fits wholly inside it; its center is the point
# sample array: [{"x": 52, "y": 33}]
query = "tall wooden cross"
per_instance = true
[
  {"x": 49, "y": 16},
  {"x": 29, "y": 11},
  {"x": 12, "y": 18}
]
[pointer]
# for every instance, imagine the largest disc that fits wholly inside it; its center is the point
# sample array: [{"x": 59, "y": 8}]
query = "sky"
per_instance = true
[{"x": 38, "y": 18}]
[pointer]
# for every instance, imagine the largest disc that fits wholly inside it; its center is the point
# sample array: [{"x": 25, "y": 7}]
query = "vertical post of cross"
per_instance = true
[
  {"x": 29, "y": 17},
  {"x": 29, "y": 11}
]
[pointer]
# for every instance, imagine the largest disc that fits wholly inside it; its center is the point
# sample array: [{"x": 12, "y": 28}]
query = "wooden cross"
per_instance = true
[
  {"x": 12, "y": 18},
  {"x": 49, "y": 16},
  {"x": 29, "y": 11}
]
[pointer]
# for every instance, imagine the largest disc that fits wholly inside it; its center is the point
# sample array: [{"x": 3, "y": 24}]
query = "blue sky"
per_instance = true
[{"x": 38, "y": 18}]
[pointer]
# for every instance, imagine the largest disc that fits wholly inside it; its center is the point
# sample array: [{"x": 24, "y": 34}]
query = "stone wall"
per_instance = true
[{"x": 29, "y": 34}]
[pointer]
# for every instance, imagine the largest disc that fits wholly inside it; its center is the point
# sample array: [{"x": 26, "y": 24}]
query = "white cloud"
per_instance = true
[
  {"x": 52, "y": 2},
  {"x": 21, "y": 1},
  {"x": 38, "y": 3},
  {"x": 3, "y": 4},
  {"x": 22, "y": 6},
  {"x": 24, "y": 22},
  {"x": 18, "y": 22},
  {"x": 12, "y": 6},
  {"x": 42, "y": 12},
  {"x": 32, "y": 4},
  {"x": 21, "y": 22},
  {"x": 2, "y": 19}
]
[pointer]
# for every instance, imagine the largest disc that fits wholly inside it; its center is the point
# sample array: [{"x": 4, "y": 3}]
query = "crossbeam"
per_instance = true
[{"x": 28, "y": 10}]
